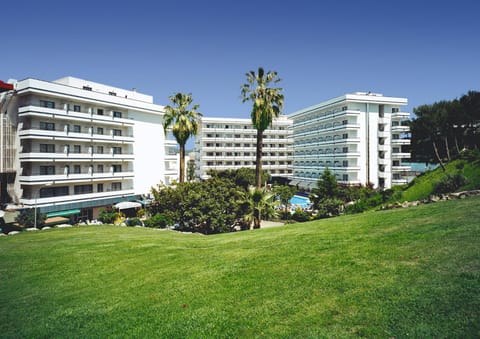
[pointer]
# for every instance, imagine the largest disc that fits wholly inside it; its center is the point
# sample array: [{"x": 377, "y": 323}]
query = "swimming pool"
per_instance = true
[{"x": 298, "y": 201}]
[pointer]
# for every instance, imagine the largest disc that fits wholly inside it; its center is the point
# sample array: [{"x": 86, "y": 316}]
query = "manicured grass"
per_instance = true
[{"x": 408, "y": 272}]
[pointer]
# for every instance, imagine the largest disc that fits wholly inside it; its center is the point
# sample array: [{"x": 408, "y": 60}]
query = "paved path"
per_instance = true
[{"x": 266, "y": 224}]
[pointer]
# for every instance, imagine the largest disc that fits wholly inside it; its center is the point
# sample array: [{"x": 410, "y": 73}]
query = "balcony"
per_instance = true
[
  {"x": 400, "y": 168},
  {"x": 401, "y": 155},
  {"x": 77, "y": 197},
  {"x": 400, "y": 142},
  {"x": 62, "y": 135},
  {"x": 400, "y": 116},
  {"x": 37, "y": 179},
  {"x": 70, "y": 156},
  {"x": 401, "y": 181},
  {"x": 70, "y": 115},
  {"x": 400, "y": 129}
]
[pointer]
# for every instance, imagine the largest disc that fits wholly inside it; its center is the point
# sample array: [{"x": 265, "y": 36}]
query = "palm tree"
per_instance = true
[
  {"x": 267, "y": 104},
  {"x": 184, "y": 122},
  {"x": 257, "y": 203}
]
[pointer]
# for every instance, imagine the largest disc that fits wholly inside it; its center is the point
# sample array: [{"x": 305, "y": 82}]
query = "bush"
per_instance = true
[
  {"x": 158, "y": 220},
  {"x": 133, "y": 222},
  {"x": 300, "y": 215},
  {"x": 329, "y": 208},
  {"x": 449, "y": 183},
  {"x": 140, "y": 213},
  {"x": 107, "y": 216},
  {"x": 26, "y": 218}
]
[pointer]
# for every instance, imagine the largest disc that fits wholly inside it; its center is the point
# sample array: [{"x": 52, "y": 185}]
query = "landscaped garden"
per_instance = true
[{"x": 396, "y": 273}]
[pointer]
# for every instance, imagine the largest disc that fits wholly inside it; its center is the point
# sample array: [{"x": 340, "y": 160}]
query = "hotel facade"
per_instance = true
[
  {"x": 224, "y": 143},
  {"x": 359, "y": 137},
  {"x": 73, "y": 146}
]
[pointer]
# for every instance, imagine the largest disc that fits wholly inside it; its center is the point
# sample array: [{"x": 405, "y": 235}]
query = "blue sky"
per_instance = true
[{"x": 422, "y": 50}]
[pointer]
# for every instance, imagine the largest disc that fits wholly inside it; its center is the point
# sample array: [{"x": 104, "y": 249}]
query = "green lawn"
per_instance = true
[{"x": 400, "y": 273}]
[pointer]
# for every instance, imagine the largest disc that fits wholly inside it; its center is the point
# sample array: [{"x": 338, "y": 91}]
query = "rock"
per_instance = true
[
  {"x": 3, "y": 235},
  {"x": 13, "y": 232},
  {"x": 434, "y": 198},
  {"x": 46, "y": 228},
  {"x": 32, "y": 229},
  {"x": 64, "y": 225}
]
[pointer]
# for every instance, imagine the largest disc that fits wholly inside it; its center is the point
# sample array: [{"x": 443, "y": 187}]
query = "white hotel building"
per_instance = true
[
  {"x": 357, "y": 136},
  {"x": 223, "y": 143},
  {"x": 72, "y": 146}
]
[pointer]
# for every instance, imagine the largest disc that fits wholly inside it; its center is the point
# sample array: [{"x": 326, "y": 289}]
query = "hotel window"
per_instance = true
[
  {"x": 112, "y": 93},
  {"x": 77, "y": 128},
  {"x": 237, "y": 145},
  {"x": 99, "y": 187},
  {"x": 345, "y": 163},
  {"x": 47, "y": 148},
  {"x": 49, "y": 126},
  {"x": 77, "y": 169},
  {"x": 345, "y": 136},
  {"x": 116, "y": 186},
  {"x": 47, "y": 192},
  {"x": 76, "y": 108},
  {"x": 344, "y": 108},
  {"x": 77, "y": 148},
  {"x": 209, "y": 154},
  {"x": 99, "y": 168},
  {"x": 209, "y": 163},
  {"x": 117, "y": 168},
  {"x": 87, "y": 88},
  {"x": 238, "y": 136},
  {"x": 99, "y": 149},
  {"x": 47, "y": 170},
  {"x": 117, "y": 132},
  {"x": 395, "y": 109},
  {"x": 47, "y": 104},
  {"x": 345, "y": 150},
  {"x": 99, "y": 130},
  {"x": 117, "y": 114},
  {"x": 99, "y": 111},
  {"x": 117, "y": 150},
  {"x": 83, "y": 189},
  {"x": 396, "y": 163},
  {"x": 345, "y": 177}
]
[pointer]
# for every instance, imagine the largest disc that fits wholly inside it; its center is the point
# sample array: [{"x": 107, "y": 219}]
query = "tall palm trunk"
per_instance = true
[
  {"x": 182, "y": 163},
  {"x": 438, "y": 156},
  {"x": 258, "y": 165}
]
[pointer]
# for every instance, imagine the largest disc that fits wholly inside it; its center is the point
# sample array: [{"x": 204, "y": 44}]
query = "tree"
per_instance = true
[
  {"x": 284, "y": 193},
  {"x": 208, "y": 207},
  {"x": 326, "y": 196},
  {"x": 26, "y": 218},
  {"x": 184, "y": 122},
  {"x": 267, "y": 104},
  {"x": 257, "y": 204}
]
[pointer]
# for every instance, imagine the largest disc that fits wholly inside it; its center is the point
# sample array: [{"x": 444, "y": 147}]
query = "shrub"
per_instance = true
[
  {"x": 140, "y": 213},
  {"x": 300, "y": 215},
  {"x": 329, "y": 208},
  {"x": 26, "y": 218},
  {"x": 107, "y": 216},
  {"x": 449, "y": 183},
  {"x": 158, "y": 220},
  {"x": 133, "y": 222}
]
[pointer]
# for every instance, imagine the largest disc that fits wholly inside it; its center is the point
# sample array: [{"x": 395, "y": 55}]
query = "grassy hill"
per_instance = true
[
  {"x": 397, "y": 273},
  {"x": 422, "y": 187}
]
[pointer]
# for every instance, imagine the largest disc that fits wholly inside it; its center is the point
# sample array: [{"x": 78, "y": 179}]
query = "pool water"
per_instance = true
[{"x": 298, "y": 201}]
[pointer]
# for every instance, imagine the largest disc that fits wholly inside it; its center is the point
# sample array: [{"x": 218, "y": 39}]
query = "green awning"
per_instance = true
[{"x": 63, "y": 213}]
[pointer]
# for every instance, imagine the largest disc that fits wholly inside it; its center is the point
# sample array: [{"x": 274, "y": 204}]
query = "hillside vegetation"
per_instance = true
[
  {"x": 397, "y": 273},
  {"x": 424, "y": 186}
]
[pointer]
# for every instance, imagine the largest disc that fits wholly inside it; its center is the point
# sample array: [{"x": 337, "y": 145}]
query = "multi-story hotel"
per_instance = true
[
  {"x": 223, "y": 143},
  {"x": 357, "y": 136},
  {"x": 72, "y": 146}
]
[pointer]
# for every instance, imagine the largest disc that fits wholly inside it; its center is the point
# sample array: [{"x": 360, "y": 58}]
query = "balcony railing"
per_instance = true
[
  {"x": 35, "y": 179},
  {"x": 65, "y": 114}
]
